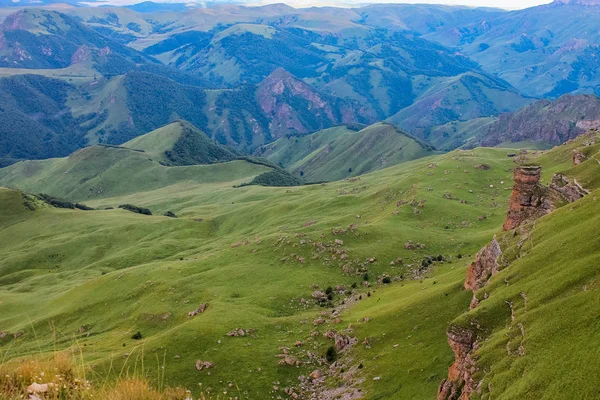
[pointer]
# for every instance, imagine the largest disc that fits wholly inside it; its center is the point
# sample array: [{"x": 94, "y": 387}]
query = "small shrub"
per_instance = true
[
  {"x": 329, "y": 290},
  {"x": 58, "y": 203},
  {"x": 170, "y": 214},
  {"x": 366, "y": 277},
  {"x": 135, "y": 209},
  {"x": 331, "y": 354},
  {"x": 354, "y": 285},
  {"x": 387, "y": 279},
  {"x": 137, "y": 335}
]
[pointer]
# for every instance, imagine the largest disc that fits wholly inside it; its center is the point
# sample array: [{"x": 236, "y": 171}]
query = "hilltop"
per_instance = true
[
  {"x": 145, "y": 163},
  {"x": 324, "y": 155}
]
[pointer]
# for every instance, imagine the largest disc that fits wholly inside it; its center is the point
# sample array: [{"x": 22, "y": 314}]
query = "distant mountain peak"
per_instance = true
[{"x": 586, "y": 3}]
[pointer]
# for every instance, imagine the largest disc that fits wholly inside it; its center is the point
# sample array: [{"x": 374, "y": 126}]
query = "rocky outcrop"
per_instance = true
[
  {"x": 459, "y": 384},
  {"x": 482, "y": 269},
  {"x": 200, "y": 365},
  {"x": 578, "y": 157},
  {"x": 197, "y": 311},
  {"x": 294, "y": 107},
  {"x": 552, "y": 122},
  {"x": 528, "y": 199},
  {"x": 568, "y": 190}
]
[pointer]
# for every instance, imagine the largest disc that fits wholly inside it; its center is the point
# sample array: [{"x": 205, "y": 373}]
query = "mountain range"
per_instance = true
[{"x": 248, "y": 76}]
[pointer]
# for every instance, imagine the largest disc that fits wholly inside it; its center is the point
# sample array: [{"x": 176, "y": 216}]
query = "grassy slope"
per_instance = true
[
  {"x": 551, "y": 277},
  {"x": 99, "y": 171},
  {"x": 154, "y": 264},
  {"x": 323, "y": 156},
  {"x": 559, "y": 318},
  {"x": 457, "y": 133},
  {"x": 155, "y": 143}
]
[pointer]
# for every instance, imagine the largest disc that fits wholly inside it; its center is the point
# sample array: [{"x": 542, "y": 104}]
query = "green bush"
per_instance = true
[
  {"x": 331, "y": 355},
  {"x": 135, "y": 209}
]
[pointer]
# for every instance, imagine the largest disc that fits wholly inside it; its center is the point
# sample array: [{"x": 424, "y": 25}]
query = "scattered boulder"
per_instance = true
[
  {"x": 38, "y": 388},
  {"x": 319, "y": 295},
  {"x": 200, "y": 365},
  {"x": 316, "y": 374},
  {"x": 240, "y": 332},
  {"x": 287, "y": 359},
  {"x": 197, "y": 311},
  {"x": 410, "y": 245},
  {"x": 338, "y": 231},
  {"x": 578, "y": 157}
]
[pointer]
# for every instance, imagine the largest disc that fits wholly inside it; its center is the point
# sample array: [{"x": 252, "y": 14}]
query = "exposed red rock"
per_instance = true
[
  {"x": 278, "y": 96},
  {"x": 459, "y": 384},
  {"x": 482, "y": 269},
  {"x": 83, "y": 53},
  {"x": 14, "y": 21},
  {"x": 528, "y": 199}
]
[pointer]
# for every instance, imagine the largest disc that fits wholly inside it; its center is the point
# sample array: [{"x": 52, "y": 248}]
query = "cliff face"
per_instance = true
[
  {"x": 567, "y": 190},
  {"x": 482, "y": 269},
  {"x": 294, "y": 107},
  {"x": 459, "y": 384},
  {"x": 528, "y": 199}
]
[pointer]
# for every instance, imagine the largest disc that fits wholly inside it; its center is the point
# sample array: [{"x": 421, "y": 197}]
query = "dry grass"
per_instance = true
[{"x": 61, "y": 378}]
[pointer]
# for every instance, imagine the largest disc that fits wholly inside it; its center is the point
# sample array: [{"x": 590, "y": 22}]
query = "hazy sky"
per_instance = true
[{"x": 507, "y": 4}]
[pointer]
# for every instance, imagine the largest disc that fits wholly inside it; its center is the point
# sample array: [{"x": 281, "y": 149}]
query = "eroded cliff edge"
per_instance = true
[{"x": 529, "y": 200}]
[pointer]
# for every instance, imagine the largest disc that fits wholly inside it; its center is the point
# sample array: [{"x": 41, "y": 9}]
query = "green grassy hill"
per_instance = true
[
  {"x": 323, "y": 156},
  {"x": 537, "y": 316},
  {"x": 458, "y": 98},
  {"x": 174, "y": 154},
  {"x": 254, "y": 257}
]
